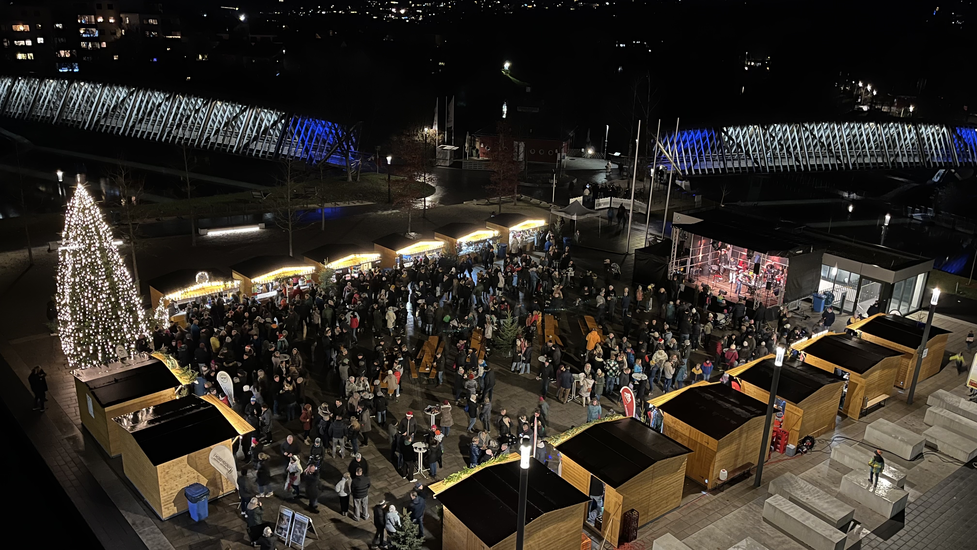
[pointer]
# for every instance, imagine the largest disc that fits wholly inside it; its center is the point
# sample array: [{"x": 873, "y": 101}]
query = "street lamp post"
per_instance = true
[
  {"x": 778, "y": 364},
  {"x": 389, "y": 158},
  {"x": 60, "y": 174},
  {"x": 524, "y": 457},
  {"x": 922, "y": 345}
]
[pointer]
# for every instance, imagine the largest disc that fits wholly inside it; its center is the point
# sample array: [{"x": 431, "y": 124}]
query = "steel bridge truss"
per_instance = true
[
  {"x": 168, "y": 117},
  {"x": 818, "y": 147}
]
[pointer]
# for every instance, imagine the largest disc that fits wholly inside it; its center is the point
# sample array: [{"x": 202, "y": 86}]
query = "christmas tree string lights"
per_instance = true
[{"x": 99, "y": 310}]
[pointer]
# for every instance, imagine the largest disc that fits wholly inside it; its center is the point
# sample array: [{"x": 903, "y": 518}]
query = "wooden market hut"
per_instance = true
[
  {"x": 639, "y": 468},
  {"x": 872, "y": 369},
  {"x": 343, "y": 258},
  {"x": 186, "y": 284},
  {"x": 259, "y": 270},
  {"x": 167, "y": 447},
  {"x": 395, "y": 246},
  {"x": 480, "y": 511},
  {"x": 811, "y": 394},
  {"x": 457, "y": 235},
  {"x": 108, "y": 392},
  {"x": 510, "y": 222},
  {"x": 722, "y": 426},
  {"x": 904, "y": 335}
]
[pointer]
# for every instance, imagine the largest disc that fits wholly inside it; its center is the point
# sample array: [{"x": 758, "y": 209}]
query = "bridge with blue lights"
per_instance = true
[
  {"x": 817, "y": 147},
  {"x": 180, "y": 119}
]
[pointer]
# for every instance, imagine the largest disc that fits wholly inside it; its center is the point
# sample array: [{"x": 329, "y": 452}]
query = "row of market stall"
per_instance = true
[{"x": 262, "y": 276}]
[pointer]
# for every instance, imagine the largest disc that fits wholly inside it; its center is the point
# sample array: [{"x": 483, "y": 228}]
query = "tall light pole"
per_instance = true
[
  {"x": 607, "y": 132},
  {"x": 634, "y": 177},
  {"x": 524, "y": 458},
  {"x": 922, "y": 345},
  {"x": 764, "y": 447},
  {"x": 389, "y": 158}
]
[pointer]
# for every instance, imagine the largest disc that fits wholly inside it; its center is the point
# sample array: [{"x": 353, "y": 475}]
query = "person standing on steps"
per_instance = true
[{"x": 876, "y": 464}]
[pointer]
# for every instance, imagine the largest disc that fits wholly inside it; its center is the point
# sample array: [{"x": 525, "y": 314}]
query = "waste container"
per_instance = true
[
  {"x": 818, "y": 299},
  {"x": 197, "y": 496}
]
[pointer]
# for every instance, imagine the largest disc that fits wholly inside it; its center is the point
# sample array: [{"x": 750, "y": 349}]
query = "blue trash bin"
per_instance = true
[
  {"x": 197, "y": 497},
  {"x": 818, "y": 304}
]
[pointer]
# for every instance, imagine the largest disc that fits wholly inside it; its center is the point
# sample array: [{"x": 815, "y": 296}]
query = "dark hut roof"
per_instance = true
[
  {"x": 715, "y": 410},
  {"x": 798, "y": 381},
  {"x": 508, "y": 219},
  {"x": 394, "y": 241},
  {"x": 260, "y": 265},
  {"x": 617, "y": 451},
  {"x": 487, "y": 501},
  {"x": 130, "y": 384},
  {"x": 176, "y": 428},
  {"x": 459, "y": 229},
  {"x": 898, "y": 329},
  {"x": 852, "y": 353},
  {"x": 335, "y": 251},
  {"x": 182, "y": 278}
]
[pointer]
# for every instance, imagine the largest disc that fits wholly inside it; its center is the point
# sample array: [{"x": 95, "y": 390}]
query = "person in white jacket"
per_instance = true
[{"x": 393, "y": 519}]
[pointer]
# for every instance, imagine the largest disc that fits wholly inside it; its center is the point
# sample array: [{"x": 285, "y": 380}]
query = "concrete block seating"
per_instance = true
[
  {"x": 938, "y": 416},
  {"x": 748, "y": 544},
  {"x": 884, "y": 499},
  {"x": 669, "y": 542},
  {"x": 801, "y": 525},
  {"x": 857, "y": 458},
  {"x": 812, "y": 499},
  {"x": 953, "y": 403},
  {"x": 951, "y": 443},
  {"x": 895, "y": 439}
]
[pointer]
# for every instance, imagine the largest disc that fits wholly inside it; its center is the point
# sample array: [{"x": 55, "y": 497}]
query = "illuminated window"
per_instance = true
[
  {"x": 86, "y": 19},
  {"x": 111, "y": 20},
  {"x": 115, "y": 57},
  {"x": 202, "y": 57},
  {"x": 150, "y": 21},
  {"x": 85, "y": 45},
  {"x": 23, "y": 43},
  {"x": 152, "y": 34},
  {"x": 6, "y": 43},
  {"x": 67, "y": 67},
  {"x": 40, "y": 39},
  {"x": 66, "y": 53},
  {"x": 99, "y": 19},
  {"x": 58, "y": 26},
  {"x": 88, "y": 32},
  {"x": 20, "y": 28},
  {"x": 25, "y": 56}
]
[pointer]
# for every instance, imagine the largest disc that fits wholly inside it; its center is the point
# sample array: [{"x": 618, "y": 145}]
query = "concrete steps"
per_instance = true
[
  {"x": 801, "y": 525},
  {"x": 669, "y": 542},
  {"x": 884, "y": 499},
  {"x": 953, "y": 403},
  {"x": 938, "y": 416},
  {"x": 748, "y": 544},
  {"x": 826, "y": 507},
  {"x": 894, "y": 439},
  {"x": 857, "y": 458},
  {"x": 951, "y": 443}
]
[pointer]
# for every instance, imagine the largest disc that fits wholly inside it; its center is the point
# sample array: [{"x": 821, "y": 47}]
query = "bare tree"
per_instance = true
[
  {"x": 504, "y": 165},
  {"x": 189, "y": 161},
  {"x": 725, "y": 191},
  {"x": 130, "y": 188},
  {"x": 410, "y": 149},
  {"x": 289, "y": 197}
]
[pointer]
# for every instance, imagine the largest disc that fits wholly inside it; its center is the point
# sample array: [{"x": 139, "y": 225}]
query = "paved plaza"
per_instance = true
[{"x": 717, "y": 520}]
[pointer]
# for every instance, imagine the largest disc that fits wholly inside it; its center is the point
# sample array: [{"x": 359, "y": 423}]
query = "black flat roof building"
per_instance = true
[{"x": 715, "y": 410}]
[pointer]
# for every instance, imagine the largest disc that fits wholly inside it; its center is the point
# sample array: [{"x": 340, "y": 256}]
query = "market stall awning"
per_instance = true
[
  {"x": 714, "y": 409},
  {"x": 341, "y": 255},
  {"x": 394, "y": 241},
  {"x": 185, "y": 284},
  {"x": 487, "y": 502},
  {"x": 177, "y": 428},
  {"x": 266, "y": 268},
  {"x": 465, "y": 232},
  {"x": 618, "y": 450}
]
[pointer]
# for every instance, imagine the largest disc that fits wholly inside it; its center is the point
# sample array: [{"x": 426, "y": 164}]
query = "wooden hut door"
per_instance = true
[{"x": 613, "y": 501}]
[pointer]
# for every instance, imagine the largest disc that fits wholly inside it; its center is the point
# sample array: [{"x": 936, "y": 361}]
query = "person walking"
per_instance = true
[
  {"x": 876, "y": 465},
  {"x": 970, "y": 341},
  {"x": 486, "y": 413},
  {"x": 343, "y": 488},
  {"x": 38, "y": 382},
  {"x": 360, "y": 491},
  {"x": 472, "y": 408},
  {"x": 310, "y": 479}
]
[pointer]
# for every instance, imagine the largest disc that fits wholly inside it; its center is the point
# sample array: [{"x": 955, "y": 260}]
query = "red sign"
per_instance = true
[{"x": 627, "y": 398}]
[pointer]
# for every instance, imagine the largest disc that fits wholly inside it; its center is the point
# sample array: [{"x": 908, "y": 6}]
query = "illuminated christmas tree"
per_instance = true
[{"x": 99, "y": 311}]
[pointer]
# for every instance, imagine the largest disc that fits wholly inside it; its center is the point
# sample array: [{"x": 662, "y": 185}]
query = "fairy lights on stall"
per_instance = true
[{"x": 282, "y": 273}]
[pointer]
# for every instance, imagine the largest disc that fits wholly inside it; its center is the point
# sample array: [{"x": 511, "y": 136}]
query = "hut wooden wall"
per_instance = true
[
  {"x": 793, "y": 414},
  {"x": 97, "y": 422},
  {"x": 701, "y": 462},
  {"x": 450, "y": 243},
  {"x": 175, "y": 475},
  {"x": 738, "y": 449},
  {"x": 557, "y": 530},
  {"x": 246, "y": 287},
  {"x": 141, "y": 472},
  {"x": 115, "y": 431},
  {"x": 574, "y": 474},
  {"x": 388, "y": 258},
  {"x": 820, "y": 412},
  {"x": 863, "y": 388},
  {"x": 503, "y": 232},
  {"x": 458, "y": 537},
  {"x": 931, "y": 363},
  {"x": 657, "y": 490},
  {"x": 611, "y": 519}
]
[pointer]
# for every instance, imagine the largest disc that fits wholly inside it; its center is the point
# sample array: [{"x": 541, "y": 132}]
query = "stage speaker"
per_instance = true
[{"x": 756, "y": 269}]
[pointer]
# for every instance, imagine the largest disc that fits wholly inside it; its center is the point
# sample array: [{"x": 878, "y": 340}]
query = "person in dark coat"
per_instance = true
[
  {"x": 254, "y": 515},
  {"x": 379, "y": 523},
  {"x": 488, "y": 382},
  {"x": 417, "y": 508},
  {"x": 38, "y": 382},
  {"x": 310, "y": 480},
  {"x": 267, "y": 541}
]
